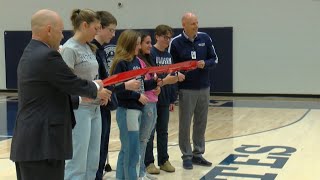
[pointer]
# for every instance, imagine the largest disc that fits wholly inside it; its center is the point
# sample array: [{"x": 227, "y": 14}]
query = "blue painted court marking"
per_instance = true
[
  {"x": 211, "y": 174},
  {"x": 7, "y": 121}
]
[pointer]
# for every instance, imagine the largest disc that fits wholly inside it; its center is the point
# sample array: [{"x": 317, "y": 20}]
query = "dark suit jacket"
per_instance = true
[{"x": 43, "y": 128}]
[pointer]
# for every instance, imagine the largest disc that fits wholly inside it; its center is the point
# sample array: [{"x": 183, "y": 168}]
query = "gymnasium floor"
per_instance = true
[{"x": 247, "y": 138}]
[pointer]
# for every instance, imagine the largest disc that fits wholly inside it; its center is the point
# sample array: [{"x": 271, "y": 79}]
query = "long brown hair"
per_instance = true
[
  {"x": 82, "y": 15},
  {"x": 146, "y": 58},
  {"x": 125, "y": 48}
]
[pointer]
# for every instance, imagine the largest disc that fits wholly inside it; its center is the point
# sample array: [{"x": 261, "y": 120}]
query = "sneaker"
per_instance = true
[
  {"x": 201, "y": 161},
  {"x": 151, "y": 177},
  {"x": 187, "y": 164},
  {"x": 145, "y": 178},
  {"x": 167, "y": 167},
  {"x": 152, "y": 169},
  {"x": 108, "y": 168}
]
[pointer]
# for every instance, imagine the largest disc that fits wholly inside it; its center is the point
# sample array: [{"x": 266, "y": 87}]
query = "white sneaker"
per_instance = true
[
  {"x": 143, "y": 178},
  {"x": 151, "y": 177},
  {"x": 148, "y": 177}
]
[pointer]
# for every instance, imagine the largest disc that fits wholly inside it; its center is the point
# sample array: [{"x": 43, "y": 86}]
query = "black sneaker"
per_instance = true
[
  {"x": 200, "y": 161},
  {"x": 187, "y": 164},
  {"x": 107, "y": 168}
]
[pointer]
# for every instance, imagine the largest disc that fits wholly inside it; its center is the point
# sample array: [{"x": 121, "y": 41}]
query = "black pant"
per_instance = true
[
  {"x": 40, "y": 170},
  {"x": 162, "y": 137},
  {"x": 105, "y": 134}
]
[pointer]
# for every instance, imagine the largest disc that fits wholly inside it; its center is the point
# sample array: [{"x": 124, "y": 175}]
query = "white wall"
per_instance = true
[{"x": 276, "y": 42}]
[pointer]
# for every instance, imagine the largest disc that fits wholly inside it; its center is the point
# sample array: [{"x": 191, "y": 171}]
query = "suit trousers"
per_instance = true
[
  {"x": 193, "y": 103},
  {"x": 39, "y": 170}
]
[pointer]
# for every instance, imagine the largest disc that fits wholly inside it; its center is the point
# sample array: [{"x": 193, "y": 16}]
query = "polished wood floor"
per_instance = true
[{"x": 246, "y": 138}]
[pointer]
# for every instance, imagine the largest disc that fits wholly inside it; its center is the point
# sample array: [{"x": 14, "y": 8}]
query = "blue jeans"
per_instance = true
[
  {"x": 105, "y": 134},
  {"x": 162, "y": 137},
  {"x": 148, "y": 121},
  {"x": 129, "y": 155},
  {"x": 86, "y": 137}
]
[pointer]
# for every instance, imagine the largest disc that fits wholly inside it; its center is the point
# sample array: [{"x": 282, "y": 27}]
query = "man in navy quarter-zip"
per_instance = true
[{"x": 194, "y": 91}]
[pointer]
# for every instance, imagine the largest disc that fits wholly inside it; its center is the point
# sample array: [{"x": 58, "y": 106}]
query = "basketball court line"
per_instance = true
[{"x": 219, "y": 149}]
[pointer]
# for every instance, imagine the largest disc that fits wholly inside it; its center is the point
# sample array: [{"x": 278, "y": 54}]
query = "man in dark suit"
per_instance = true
[{"x": 42, "y": 139}]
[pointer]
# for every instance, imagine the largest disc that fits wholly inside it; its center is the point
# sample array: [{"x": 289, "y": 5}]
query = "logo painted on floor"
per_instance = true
[{"x": 245, "y": 157}]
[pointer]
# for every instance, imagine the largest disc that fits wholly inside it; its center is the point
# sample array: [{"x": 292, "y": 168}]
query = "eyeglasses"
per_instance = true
[
  {"x": 166, "y": 37},
  {"x": 111, "y": 30}
]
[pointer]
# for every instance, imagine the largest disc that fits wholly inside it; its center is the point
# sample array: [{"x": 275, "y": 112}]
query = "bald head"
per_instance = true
[
  {"x": 43, "y": 18},
  {"x": 190, "y": 24},
  {"x": 47, "y": 26},
  {"x": 187, "y": 16}
]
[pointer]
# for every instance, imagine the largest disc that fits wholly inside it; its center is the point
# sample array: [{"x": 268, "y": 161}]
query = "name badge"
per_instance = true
[{"x": 193, "y": 55}]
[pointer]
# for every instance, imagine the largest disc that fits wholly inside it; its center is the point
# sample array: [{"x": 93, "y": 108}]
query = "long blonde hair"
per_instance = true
[{"x": 125, "y": 48}]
